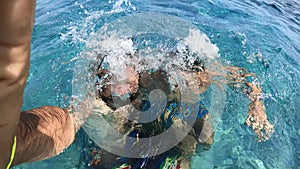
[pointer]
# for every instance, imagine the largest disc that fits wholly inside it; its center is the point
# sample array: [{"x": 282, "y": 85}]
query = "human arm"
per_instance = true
[
  {"x": 16, "y": 20},
  {"x": 240, "y": 80},
  {"x": 257, "y": 118}
]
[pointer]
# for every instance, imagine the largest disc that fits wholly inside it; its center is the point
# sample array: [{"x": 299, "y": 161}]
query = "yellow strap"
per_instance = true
[{"x": 13, "y": 151}]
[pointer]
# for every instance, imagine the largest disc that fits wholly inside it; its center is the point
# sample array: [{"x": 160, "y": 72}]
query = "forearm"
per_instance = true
[
  {"x": 16, "y": 20},
  {"x": 11, "y": 94},
  {"x": 257, "y": 118},
  {"x": 43, "y": 133}
]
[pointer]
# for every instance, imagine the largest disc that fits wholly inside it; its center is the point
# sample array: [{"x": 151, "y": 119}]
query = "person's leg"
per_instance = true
[
  {"x": 188, "y": 148},
  {"x": 201, "y": 133}
]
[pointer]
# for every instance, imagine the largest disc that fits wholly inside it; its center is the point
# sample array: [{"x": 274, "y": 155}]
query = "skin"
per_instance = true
[
  {"x": 16, "y": 20},
  {"x": 42, "y": 132},
  {"x": 257, "y": 118}
]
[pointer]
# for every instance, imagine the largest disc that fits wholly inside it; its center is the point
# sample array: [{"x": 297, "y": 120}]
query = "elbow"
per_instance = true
[
  {"x": 14, "y": 74},
  {"x": 14, "y": 68}
]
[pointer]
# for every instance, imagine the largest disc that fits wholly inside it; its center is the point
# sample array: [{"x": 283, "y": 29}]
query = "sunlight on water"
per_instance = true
[{"x": 259, "y": 35}]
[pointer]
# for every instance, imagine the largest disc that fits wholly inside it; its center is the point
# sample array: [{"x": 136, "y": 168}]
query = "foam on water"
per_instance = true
[{"x": 115, "y": 42}]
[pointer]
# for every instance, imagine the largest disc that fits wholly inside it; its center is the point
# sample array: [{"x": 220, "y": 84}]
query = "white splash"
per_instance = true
[
  {"x": 199, "y": 42},
  {"x": 79, "y": 32},
  {"x": 117, "y": 8}
]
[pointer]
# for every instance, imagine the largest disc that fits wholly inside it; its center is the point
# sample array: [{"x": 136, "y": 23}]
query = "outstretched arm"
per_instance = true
[
  {"x": 238, "y": 78},
  {"x": 257, "y": 118},
  {"x": 16, "y": 20}
]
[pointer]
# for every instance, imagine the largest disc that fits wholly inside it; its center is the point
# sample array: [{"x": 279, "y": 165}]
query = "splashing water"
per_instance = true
[
  {"x": 259, "y": 35},
  {"x": 124, "y": 43}
]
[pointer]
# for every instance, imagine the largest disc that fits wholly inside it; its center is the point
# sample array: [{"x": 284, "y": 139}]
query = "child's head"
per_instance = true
[{"x": 115, "y": 86}]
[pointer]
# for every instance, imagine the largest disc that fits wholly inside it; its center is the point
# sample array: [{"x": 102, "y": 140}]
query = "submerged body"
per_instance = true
[{"x": 140, "y": 84}]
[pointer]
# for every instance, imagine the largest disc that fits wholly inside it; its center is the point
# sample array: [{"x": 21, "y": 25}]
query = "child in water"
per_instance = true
[{"x": 137, "y": 87}]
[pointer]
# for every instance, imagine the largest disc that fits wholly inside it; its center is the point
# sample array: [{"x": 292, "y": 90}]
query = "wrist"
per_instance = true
[{"x": 6, "y": 143}]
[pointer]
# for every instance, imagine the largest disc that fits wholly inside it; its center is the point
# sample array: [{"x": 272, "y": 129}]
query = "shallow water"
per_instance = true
[{"x": 262, "y": 36}]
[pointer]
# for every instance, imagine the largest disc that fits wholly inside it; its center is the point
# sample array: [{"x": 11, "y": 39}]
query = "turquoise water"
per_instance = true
[{"x": 262, "y": 36}]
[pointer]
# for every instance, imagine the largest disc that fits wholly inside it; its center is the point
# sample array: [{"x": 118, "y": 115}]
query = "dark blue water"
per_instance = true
[{"x": 262, "y": 36}]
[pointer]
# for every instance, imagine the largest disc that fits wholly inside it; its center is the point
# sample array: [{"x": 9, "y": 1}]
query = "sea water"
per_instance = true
[{"x": 262, "y": 36}]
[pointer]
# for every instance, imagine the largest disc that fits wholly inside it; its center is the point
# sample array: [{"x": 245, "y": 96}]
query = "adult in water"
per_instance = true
[{"x": 44, "y": 132}]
